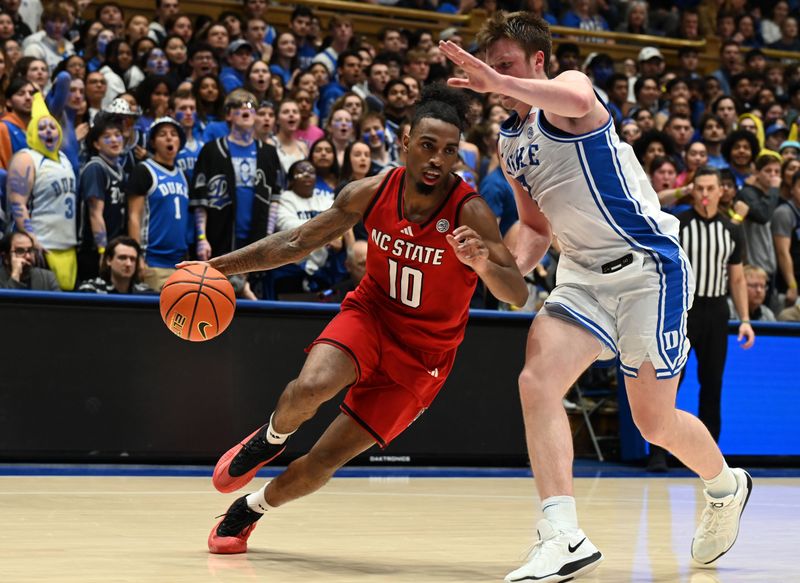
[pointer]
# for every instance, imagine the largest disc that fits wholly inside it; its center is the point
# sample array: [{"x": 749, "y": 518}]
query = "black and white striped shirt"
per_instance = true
[{"x": 711, "y": 245}]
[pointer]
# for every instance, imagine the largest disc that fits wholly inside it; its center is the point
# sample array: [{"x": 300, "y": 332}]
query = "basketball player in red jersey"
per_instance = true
[{"x": 394, "y": 341}]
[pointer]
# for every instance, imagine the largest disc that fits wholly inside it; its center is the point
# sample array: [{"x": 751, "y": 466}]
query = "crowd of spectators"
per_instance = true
[{"x": 187, "y": 136}]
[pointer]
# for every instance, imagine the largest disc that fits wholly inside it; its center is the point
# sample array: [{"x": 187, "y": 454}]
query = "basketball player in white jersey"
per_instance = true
[{"x": 624, "y": 287}]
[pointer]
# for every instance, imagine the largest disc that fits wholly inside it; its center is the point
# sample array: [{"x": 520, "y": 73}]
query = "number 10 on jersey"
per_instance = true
[{"x": 410, "y": 288}]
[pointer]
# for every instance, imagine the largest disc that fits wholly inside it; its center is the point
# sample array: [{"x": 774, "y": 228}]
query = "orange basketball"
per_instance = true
[{"x": 197, "y": 303}]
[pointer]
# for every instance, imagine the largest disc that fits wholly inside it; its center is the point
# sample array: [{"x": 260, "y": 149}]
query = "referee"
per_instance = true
[{"x": 714, "y": 246}]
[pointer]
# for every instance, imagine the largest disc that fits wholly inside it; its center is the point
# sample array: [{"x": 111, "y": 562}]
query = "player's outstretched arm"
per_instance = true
[
  {"x": 570, "y": 94},
  {"x": 478, "y": 244},
  {"x": 292, "y": 245}
]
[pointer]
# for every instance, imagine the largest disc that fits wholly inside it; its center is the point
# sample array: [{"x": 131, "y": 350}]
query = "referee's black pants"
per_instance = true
[{"x": 707, "y": 328}]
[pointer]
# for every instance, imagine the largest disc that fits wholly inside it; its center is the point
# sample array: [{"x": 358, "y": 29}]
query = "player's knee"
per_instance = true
[
  {"x": 653, "y": 429},
  {"x": 532, "y": 388},
  {"x": 311, "y": 388}
]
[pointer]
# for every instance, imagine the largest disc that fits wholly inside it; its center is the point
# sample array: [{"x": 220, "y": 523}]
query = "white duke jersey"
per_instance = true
[
  {"x": 52, "y": 202},
  {"x": 617, "y": 244},
  {"x": 592, "y": 189}
]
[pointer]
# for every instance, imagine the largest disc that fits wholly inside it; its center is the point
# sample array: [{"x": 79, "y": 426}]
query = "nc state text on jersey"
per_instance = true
[{"x": 406, "y": 249}]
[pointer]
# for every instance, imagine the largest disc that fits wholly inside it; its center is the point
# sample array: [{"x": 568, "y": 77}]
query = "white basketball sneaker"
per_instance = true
[
  {"x": 719, "y": 525},
  {"x": 558, "y": 556}
]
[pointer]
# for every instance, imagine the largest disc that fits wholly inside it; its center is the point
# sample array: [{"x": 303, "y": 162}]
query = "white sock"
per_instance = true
[
  {"x": 722, "y": 485},
  {"x": 257, "y": 501},
  {"x": 561, "y": 512},
  {"x": 273, "y": 436}
]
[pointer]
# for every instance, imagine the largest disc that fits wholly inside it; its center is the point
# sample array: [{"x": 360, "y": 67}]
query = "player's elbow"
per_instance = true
[
  {"x": 584, "y": 102},
  {"x": 520, "y": 294}
]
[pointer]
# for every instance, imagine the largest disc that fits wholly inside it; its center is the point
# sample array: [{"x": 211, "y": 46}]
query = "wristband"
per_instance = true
[
  {"x": 201, "y": 237},
  {"x": 792, "y": 285},
  {"x": 101, "y": 250},
  {"x": 745, "y": 321},
  {"x": 737, "y": 217},
  {"x": 679, "y": 193}
]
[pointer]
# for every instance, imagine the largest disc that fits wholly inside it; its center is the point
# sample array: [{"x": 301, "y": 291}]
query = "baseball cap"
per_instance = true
[
  {"x": 648, "y": 53},
  {"x": 238, "y": 44},
  {"x": 775, "y": 128}
]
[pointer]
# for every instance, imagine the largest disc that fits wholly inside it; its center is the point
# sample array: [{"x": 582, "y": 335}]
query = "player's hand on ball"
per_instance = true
[
  {"x": 469, "y": 247},
  {"x": 183, "y": 264}
]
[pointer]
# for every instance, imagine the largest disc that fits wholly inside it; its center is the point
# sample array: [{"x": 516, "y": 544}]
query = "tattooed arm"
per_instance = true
[
  {"x": 290, "y": 246},
  {"x": 21, "y": 174},
  {"x": 203, "y": 246}
]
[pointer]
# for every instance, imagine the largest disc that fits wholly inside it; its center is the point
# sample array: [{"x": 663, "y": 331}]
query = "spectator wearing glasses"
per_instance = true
[
  {"x": 201, "y": 61},
  {"x": 229, "y": 197},
  {"x": 96, "y": 88},
  {"x": 17, "y": 270},
  {"x": 298, "y": 205},
  {"x": 756, "y": 294}
]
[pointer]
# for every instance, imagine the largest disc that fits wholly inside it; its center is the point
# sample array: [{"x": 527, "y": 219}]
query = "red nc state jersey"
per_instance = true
[{"x": 414, "y": 279}]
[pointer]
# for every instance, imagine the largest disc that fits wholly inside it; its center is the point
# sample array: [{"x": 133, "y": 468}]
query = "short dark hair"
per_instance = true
[
  {"x": 637, "y": 87},
  {"x": 765, "y": 159},
  {"x": 613, "y": 79},
  {"x": 707, "y": 117},
  {"x": 726, "y": 175},
  {"x": 675, "y": 116},
  {"x": 718, "y": 100},
  {"x": 102, "y": 122},
  {"x": 660, "y": 161},
  {"x": 392, "y": 83},
  {"x": 529, "y": 31},
  {"x": 199, "y": 47},
  {"x": 386, "y": 29},
  {"x": 301, "y": 11},
  {"x": 16, "y": 84},
  {"x": 102, "y": 6},
  {"x": 443, "y": 103},
  {"x": 675, "y": 81},
  {"x": 344, "y": 55},
  {"x": 708, "y": 171}
]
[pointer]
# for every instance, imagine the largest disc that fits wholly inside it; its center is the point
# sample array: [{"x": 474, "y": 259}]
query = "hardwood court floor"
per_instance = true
[{"x": 420, "y": 530}]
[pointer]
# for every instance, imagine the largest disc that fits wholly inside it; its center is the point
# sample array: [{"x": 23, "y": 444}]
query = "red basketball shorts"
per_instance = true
[{"x": 395, "y": 383}]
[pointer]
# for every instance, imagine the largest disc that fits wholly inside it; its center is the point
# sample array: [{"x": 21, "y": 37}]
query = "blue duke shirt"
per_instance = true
[{"x": 166, "y": 212}]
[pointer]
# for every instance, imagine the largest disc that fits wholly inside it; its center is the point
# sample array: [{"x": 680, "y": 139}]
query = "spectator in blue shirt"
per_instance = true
[
  {"x": 498, "y": 195},
  {"x": 240, "y": 56}
]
